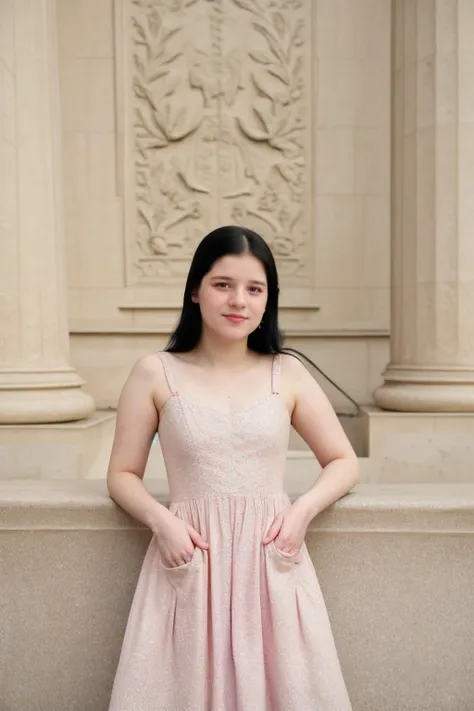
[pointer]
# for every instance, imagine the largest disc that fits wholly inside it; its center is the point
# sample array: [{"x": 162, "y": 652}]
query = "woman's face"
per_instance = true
[{"x": 233, "y": 296}]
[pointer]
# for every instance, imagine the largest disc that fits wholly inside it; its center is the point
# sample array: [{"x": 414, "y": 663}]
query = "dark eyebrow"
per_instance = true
[{"x": 252, "y": 281}]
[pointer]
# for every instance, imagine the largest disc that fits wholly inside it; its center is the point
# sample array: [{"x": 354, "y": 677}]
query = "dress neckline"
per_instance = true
[{"x": 185, "y": 400}]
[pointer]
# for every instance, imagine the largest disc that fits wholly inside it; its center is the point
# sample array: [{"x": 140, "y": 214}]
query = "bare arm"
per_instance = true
[
  {"x": 315, "y": 420},
  {"x": 136, "y": 425}
]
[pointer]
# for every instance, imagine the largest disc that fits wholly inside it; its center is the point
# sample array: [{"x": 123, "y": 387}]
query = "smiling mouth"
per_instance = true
[{"x": 235, "y": 318}]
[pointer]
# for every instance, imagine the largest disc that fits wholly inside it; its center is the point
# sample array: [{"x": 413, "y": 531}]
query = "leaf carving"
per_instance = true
[
  {"x": 260, "y": 85},
  {"x": 279, "y": 24},
  {"x": 277, "y": 71},
  {"x": 259, "y": 57},
  {"x": 271, "y": 40},
  {"x": 255, "y": 135}
]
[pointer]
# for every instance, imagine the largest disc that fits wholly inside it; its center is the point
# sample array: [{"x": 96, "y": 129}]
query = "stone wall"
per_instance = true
[
  {"x": 180, "y": 116},
  {"x": 395, "y": 565}
]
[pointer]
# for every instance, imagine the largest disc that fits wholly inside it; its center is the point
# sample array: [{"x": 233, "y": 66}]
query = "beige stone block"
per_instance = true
[
  {"x": 95, "y": 236},
  {"x": 74, "y": 163},
  {"x": 87, "y": 95},
  {"x": 375, "y": 231},
  {"x": 85, "y": 28},
  {"x": 7, "y": 34},
  {"x": 73, "y": 264},
  {"x": 371, "y": 30},
  {"x": 371, "y": 164},
  {"x": 395, "y": 616},
  {"x": 380, "y": 308},
  {"x": 8, "y": 189},
  {"x": 447, "y": 106},
  {"x": 407, "y": 105},
  {"x": 344, "y": 360},
  {"x": 101, "y": 247},
  {"x": 465, "y": 324},
  {"x": 426, "y": 31},
  {"x": 426, "y": 92},
  {"x": 378, "y": 357},
  {"x": 336, "y": 93},
  {"x": 72, "y": 450},
  {"x": 465, "y": 205},
  {"x": 105, "y": 361},
  {"x": 335, "y": 29},
  {"x": 89, "y": 164},
  {"x": 10, "y": 331},
  {"x": 418, "y": 447},
  {"x": 372, "y": 93},
  {"x": 7, "y": 105},
  {"x": 398, "y": 51},
  {"x": 74, "y": 305},
  {"x": 334, "y": 161},
  {"x": 339, "y": 248},
  {"x": 152, "y": 319},
  {"x": 102, "y": 164},
  {"x": 100, "y": 309},
  {"x": 67, "y": 625},
  {"x": 437, "y": 211},
  {"x": 344, "y": 308},
  {"x": 409, "y": 28}
]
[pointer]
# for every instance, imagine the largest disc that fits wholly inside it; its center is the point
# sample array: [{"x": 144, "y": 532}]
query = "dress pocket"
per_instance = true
[
  {"x": 176, "y": 575},
  {"x": 289, "y": 559}
]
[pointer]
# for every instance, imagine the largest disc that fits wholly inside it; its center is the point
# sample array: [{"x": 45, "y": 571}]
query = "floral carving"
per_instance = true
[{"x": 218, "y": 130}]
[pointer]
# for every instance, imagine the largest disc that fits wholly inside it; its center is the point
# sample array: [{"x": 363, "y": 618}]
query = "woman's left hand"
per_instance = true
[{"x": 288, "y": 530}]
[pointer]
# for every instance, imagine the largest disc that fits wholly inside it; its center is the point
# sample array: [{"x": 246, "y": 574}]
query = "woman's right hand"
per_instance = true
[{"x": 177, "y": 540}]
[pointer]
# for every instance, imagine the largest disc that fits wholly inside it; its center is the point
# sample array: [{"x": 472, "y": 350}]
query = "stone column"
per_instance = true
[
  {"x": 432, "y": 338},
  {"x": 37, "y": 383}
]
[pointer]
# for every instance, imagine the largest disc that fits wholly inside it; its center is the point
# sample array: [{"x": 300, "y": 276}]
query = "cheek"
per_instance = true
[
  {"x": 211, "y": 302},
  {"x": 259, "y": 305}
]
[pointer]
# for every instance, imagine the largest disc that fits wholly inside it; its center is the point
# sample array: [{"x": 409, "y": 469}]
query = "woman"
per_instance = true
[{"x": 228, "y": 613}]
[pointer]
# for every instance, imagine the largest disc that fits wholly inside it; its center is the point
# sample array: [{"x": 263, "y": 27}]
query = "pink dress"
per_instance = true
[{"x": 242, "y": 627}]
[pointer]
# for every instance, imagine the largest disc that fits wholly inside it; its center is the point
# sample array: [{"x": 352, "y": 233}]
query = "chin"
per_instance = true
[{"x": 232, "y": 333}]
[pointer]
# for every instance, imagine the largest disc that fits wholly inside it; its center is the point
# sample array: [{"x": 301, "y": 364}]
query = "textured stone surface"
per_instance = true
[
  {"x": 395, "y": 564},
  {"x": 330, "y": 224}
]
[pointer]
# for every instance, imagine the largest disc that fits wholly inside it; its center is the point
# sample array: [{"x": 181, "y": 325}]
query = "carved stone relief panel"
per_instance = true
[{"x": 217, "y": 130}]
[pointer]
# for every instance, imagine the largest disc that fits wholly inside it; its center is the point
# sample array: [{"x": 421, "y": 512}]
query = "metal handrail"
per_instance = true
[{"x": 299, "y": 355}]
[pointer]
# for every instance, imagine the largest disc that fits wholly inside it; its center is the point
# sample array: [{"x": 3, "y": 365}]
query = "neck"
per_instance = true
[{"x": 216, "y": 352}]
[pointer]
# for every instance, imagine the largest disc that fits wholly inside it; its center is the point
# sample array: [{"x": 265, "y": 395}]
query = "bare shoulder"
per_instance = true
[
  {"x": 146, "y": 371},
  {"x": 148, "y": 374},
  {"x": 148, "y": 366},
  {"x": 295, "y": 372}
]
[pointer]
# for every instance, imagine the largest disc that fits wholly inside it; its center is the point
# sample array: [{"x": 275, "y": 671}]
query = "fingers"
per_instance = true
[
  {"x": 197, "y": 539},
  {"x": 274, "y": 529}
]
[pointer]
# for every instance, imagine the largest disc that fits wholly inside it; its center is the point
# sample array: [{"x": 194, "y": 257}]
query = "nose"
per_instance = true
[{"x": 237, "y": 298}]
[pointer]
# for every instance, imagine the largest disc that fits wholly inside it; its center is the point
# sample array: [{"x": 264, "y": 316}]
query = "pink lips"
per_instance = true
[{"x": 233, "y": 318}]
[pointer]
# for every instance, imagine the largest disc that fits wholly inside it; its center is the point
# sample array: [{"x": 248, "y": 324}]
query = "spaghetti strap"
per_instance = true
[
  {"x": 276, "y": 370},
  {"x": 165, "y": 358}
]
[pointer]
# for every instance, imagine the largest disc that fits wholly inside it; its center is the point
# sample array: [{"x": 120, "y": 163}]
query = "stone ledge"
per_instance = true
[{"x": 385, "y": 508}]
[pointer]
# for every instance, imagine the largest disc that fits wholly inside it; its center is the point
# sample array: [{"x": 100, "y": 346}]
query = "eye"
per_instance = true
[
  {"x": 255, "y": 289},
  {"x": 221, "y": 284}
]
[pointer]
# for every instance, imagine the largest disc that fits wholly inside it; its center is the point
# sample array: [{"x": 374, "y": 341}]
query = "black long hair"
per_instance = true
[{"x": 217, "y": 244}]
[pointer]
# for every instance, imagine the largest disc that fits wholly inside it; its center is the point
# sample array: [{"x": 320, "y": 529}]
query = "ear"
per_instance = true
[{"x": 194, "y": 297}]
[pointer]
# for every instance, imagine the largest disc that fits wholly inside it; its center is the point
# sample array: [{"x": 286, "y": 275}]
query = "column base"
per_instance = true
[
  {"x": 418, "y": 447},
  {"x": 60, "y": 450},
  {"x": 426, "y": 390},
  {"x": 43, "y": 396}
]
